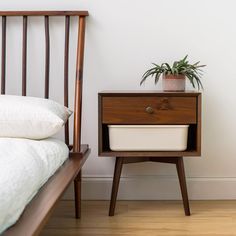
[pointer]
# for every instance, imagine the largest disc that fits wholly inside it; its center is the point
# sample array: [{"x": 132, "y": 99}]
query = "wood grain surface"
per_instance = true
[{"x": 145, "y": 218}]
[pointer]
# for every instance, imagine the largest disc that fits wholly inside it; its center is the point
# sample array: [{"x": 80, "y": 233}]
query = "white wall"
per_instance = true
[{"x": 123, "y": 38}]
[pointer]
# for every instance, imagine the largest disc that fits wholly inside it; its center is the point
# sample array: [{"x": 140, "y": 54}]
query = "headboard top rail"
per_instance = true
[{"x": 44, "y": 13}]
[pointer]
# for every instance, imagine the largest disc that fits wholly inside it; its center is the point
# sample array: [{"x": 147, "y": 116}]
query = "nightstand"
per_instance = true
[{"x": 150, "y": 108}]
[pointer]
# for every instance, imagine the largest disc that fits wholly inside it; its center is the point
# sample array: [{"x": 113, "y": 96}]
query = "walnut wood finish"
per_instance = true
[
  {"x": 183, "y": 185},
  {"x": 47, "y": 56},
  {"x": 66, "y": 74},
  {"x": 149, "y": 110},
  {"x": 41, "y": 206},
  {"x": 44, "y": 13},
  {"x": 199, "y": 126},
  {"x": 134, "y": 154},
  {"x": 24, "y": 56},
  {"x": 178, "y": 161},
  {"x": 115, "y": 184},
  {"x": 78, "y": 85},
  {"x": 78, "y": 109},
  {"x": 77, "y": 192},
  {"x": 132, "y": 107},
  {"x": 145, "y": 93},
  {"x": 126, "y": 107},
  {"x": 3, "y": 72}
]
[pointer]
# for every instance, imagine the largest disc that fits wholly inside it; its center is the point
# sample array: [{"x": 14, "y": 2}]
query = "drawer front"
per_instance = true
[{"x": 149, "y": 110}]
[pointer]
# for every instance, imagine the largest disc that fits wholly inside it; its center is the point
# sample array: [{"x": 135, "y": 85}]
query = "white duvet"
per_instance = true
[{"x": 25, "y": 165}]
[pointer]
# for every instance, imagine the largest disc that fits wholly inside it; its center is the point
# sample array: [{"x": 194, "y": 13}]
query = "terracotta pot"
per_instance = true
[{"x": 173, "y": 82}]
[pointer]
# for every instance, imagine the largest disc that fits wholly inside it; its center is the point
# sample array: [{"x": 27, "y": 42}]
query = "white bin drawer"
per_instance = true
[{"x": 148, "y": 137}]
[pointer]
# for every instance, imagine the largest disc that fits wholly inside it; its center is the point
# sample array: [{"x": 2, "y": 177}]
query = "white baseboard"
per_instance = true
[{"x": 156, "y": 188}]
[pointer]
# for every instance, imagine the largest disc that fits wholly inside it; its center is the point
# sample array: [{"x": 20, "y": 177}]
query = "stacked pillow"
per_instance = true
[{"x": 31, "y": 117}]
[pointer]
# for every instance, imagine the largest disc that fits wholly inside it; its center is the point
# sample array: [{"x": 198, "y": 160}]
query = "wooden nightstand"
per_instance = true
[{"x": 150, "y": 108}]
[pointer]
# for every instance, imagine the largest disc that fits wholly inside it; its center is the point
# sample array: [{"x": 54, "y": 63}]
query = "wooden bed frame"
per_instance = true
[{"x": 41, "y": 206}]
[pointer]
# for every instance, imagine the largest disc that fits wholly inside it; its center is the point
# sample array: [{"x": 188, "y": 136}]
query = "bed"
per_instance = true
[{"x": 28, "y": 199}]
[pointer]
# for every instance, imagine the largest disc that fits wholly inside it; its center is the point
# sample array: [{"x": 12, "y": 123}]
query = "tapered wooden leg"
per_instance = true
[
  {"x": 77, "y": 190},
  {"x": 183, "y": 186},
  {"x": 115, "y": 184}
]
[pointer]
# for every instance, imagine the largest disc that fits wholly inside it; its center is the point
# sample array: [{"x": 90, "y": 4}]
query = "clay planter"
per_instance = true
[{"x": 173, "y": 82}]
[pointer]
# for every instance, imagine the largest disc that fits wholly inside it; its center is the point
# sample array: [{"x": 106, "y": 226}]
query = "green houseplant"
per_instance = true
[{"x": 174, "y": 76}]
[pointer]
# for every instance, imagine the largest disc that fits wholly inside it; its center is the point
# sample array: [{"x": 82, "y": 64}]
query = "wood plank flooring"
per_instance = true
[{"x": 144, "y": 218}]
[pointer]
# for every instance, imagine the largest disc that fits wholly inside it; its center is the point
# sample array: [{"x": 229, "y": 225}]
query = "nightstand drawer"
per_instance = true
[{"x": 149, "y": 110}]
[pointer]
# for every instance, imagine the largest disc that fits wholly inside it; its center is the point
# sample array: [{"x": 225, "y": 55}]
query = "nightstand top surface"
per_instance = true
[{"x": 149, "y": 92}]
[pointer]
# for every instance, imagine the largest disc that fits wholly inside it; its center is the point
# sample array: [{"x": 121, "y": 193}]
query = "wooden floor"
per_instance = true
[{"x": 144, "y": 218}]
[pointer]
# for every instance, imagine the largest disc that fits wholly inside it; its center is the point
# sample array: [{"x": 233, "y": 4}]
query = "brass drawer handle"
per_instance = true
[{"x": 149, "y": 110}]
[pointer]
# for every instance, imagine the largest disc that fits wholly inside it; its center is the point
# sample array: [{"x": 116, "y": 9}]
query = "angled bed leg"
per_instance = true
[{"x": 77, "y": 191}]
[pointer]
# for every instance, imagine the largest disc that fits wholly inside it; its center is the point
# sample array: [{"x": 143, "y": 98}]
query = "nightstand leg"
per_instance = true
[
  {"x": 183, "y": 185},
  {"x": 115, "y": 184},
  {"x": 77, "y": 191}
]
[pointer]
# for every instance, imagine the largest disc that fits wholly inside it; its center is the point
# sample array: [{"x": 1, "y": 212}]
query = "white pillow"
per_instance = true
[{"x": 31, "y": 117}]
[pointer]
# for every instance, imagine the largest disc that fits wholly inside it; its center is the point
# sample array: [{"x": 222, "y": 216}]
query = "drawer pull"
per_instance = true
[
  {"x": 165, "y": 104},
  {"x": 149, "y": 110}
]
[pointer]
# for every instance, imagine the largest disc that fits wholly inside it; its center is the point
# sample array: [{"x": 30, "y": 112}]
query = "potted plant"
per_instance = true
[{"x": 174, "y": 76}]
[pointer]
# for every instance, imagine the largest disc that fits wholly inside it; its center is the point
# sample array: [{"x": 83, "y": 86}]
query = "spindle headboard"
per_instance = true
[{"x": 79, "y": 61}]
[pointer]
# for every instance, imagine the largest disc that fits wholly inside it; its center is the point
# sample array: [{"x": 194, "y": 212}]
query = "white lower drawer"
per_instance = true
[{"x": 148, "y": 137}]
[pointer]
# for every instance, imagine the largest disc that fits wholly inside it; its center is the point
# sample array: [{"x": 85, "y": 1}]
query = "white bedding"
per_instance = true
[{"x": 25, "y": 165}]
